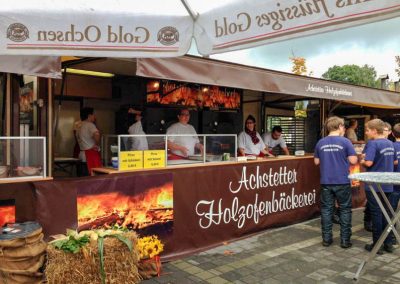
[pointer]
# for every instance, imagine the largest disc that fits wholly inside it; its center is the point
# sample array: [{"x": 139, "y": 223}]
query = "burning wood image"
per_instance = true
[
  {"x": 136, "y": 211},
  {"x": 7, "y": 212},
  {"x": 355, "y": 169}
]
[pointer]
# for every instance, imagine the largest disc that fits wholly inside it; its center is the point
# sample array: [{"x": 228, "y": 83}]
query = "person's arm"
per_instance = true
[
  {"x": 366, "y": 164},
  {"x": 316, "y": 154},
  {"x": 351, "y": 153},
  {"x": 353, "y": 160},
  {"x": 284, "y": 147},
  {"x": 176, "y": 147},
  {"x": 96, "y": 136},
  {"x": 367, "y": 159},
  {"x": 200, "y": 147}
]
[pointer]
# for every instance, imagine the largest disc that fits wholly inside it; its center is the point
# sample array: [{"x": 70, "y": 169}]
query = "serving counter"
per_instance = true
[{"x": 191, "y": 207}]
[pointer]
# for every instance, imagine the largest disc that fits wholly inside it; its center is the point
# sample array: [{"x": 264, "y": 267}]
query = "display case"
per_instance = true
[
  {"x": 158, "y": 151},
  {"x": 22, "y": 158},
  {"x": 108, "y": 148}
]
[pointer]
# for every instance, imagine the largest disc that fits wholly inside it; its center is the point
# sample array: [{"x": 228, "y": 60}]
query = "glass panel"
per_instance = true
[
  {"x": 109, "y": 148},
  {"x": 220, "y": 148},
  {"x": 185, "y": 149},
  {"x": 22, "y": 157},
  {"x": 140, "y": 151}
]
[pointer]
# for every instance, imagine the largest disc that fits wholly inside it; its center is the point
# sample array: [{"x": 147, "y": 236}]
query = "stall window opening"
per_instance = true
[{"x": 293, "y": 131}]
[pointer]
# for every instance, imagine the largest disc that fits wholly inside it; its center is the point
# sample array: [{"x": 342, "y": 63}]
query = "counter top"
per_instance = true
[
  {"x": 109, "y": 170},
  {"x": 23, "y": 179}
]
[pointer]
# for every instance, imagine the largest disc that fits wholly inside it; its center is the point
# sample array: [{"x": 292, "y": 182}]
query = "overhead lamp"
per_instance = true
[{"x": 88, "y": 73}]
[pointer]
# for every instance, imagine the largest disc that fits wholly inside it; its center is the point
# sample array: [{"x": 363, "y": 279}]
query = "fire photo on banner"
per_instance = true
[
  {"x": 7, "y": 212},
  {"x": 167, "y": 92},
  {"x": 142, "y": 203}
]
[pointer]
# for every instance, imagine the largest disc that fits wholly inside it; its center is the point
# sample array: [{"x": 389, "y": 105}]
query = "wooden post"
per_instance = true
[
  {"x": 49, "y": 128},
  {"x": 8, "y": 117}
]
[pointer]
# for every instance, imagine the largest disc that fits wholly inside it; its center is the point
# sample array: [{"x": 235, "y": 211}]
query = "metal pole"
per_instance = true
[{"x": 192, "y": 13}]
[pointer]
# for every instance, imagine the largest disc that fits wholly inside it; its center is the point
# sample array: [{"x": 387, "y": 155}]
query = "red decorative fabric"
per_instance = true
[{"x": 253, "y": 135}]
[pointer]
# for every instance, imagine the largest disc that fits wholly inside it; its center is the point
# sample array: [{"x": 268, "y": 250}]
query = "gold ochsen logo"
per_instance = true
[
  {"x": 168, "y": 36},
  {"x": 17, "y": 32}
]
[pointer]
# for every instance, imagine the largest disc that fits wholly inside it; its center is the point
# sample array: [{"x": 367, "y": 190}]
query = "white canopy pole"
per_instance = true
[{"x": 191, "y": 12}]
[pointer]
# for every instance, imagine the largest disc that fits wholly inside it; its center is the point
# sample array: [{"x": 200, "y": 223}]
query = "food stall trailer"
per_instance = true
[{"x": 197, "y": 206}]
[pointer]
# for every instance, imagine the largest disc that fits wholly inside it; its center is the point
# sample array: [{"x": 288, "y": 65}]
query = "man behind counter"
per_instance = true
[
  {"x": 351, "y": 132},
  {"x": 273, "y": 139},
  {"x": 183, "y": 146},
  {"x": 88, "y": 137}
]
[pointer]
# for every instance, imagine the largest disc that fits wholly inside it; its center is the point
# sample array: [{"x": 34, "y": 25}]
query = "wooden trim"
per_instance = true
[
  {"x": 105, "y": 170},
  {"x": 27, "y": 179}
]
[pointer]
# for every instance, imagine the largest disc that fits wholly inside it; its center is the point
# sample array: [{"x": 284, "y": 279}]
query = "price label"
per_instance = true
[
  {"x": 154, "y": 159},
  {"x": 130, "y": 160}
]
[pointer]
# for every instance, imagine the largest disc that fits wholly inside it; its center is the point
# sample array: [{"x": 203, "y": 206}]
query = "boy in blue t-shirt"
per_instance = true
[
  {"x": 334, "y": 154},
  {"x": 378, "y": 156}
]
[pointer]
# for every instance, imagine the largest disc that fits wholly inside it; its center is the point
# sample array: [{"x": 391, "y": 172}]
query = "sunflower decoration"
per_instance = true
[{"x": 150, "y": 246}]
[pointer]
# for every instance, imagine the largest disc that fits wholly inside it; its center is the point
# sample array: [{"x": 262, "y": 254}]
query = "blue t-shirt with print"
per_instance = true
[
  {"x": 333, "y": 153},
  {"x": 396, "y": 146},
  {"x": 381, "y": 153}
]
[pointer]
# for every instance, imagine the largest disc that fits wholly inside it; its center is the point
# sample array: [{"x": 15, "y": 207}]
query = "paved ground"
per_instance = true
[{"x": 288, "y": 255}]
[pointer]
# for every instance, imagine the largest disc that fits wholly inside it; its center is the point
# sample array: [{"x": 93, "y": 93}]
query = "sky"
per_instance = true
[{"x": 374, "y": 44}]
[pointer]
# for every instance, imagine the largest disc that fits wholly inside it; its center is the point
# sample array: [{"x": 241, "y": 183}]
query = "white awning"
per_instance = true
[
  {"x": 95, "y": 28},
  {"x": 250, "y": 23},
  {"x": 159, "y": 28}
]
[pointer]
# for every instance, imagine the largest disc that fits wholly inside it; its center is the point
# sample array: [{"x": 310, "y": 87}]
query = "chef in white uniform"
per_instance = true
[
  {"x": 137, "y": 143},
  {"x": 183, "y": 146}
]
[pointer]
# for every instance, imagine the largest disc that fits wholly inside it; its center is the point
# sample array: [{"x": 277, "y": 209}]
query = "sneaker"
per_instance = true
[
  {"x": 368, "y": 226},
  {"x": 369, "y": 247},
  {"x": 346, "y": 244},
  {"x": 388, "y": 248},
  {"x": 327, "y": 243}
]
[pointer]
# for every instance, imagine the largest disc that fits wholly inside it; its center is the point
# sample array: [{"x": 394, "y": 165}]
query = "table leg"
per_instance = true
[
  {"x": 389, "y": 227},
  {"x": 389, "y": 206}
]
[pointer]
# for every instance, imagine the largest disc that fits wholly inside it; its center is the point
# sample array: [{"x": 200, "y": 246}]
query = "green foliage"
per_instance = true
[
  {"x": 353, "y": 74},
  {"x": 397, "y": 58},
  {"x": 72, "y": 244}
]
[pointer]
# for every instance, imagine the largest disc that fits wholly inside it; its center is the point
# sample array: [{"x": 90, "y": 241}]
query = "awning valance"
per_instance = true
[{"x": 212, "y": 72}]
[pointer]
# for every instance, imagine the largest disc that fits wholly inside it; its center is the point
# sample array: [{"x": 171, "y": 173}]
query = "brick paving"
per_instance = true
[{"x": 291, "y": 254}]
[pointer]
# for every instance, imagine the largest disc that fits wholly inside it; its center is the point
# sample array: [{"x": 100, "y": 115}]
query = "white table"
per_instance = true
[{"x": 377, "y": 178}]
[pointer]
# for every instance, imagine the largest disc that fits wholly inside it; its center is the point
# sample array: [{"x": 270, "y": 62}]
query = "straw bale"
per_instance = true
[{"x": 120, "y": 264}]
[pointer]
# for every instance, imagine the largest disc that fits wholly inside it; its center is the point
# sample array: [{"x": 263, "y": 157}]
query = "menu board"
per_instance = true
[{"x": 164, "y": 92}]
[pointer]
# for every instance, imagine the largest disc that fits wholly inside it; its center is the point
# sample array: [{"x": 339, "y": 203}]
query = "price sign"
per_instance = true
[
  {"x": 130, "y": 160},
  {"x": 154, "y": 159}
]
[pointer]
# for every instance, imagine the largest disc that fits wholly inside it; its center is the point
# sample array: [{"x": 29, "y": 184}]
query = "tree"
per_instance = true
[
  {"x": 398, "y": 65},
  {"x": 299, "y": 65},
  {"x": 353, "y": 74}
]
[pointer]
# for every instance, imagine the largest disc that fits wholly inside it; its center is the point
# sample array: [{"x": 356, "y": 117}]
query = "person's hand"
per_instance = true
[
  {"x": 96, "y": 148},
  {"x": 184, "y": 151},
  {"x": 201, "y": 148}
]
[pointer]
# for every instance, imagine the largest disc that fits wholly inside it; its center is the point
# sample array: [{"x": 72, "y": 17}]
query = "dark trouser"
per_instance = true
[
  {"x": 378, "y": 219},
  {"x": 342, "y": 194},
  {"x": 82, "y": 170},
  {"x": 367, "y": 214}
]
